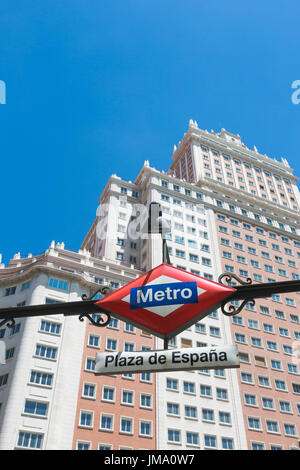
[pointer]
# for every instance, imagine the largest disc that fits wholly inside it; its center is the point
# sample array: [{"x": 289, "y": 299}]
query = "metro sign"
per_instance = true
[{"x": 165, "y": 300}]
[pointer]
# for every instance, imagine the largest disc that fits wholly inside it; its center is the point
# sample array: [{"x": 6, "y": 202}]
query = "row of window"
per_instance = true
[
  {"x": 267, "y": 328},
  {"x": 107, "y": 423},
  {"x": 253, "y": 251},
  {"x": 255, "y": 192},
  {"x": 275, "y": 364},
  {"x": 250, "y": 238},
  {"x": 264, "y": 381},
  {"x": 191, "y": 412},
  {"x": 279, "y": 314},
  {"x": 235, "y": 162},
  {"x": 127, "y": 191},
  {"x": 191, "y": 257},
  {"x": 274, "y": 297},
  {"x": 13, "y": 289},
  {"x": 259, "y": 230},
  {"x": 258, "y": 277},
  {"x": 44, "y": 379},
  {"x": 268, "y": 403},
  {"x": 109, "y": 395},
  {"x": 272, "y": 426},
  {"x": 190, "y": 387},
  {"x": 193, "y": 438}
]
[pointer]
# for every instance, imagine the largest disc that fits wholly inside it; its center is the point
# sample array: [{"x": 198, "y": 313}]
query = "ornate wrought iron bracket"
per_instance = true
[
  {"x": 103, "y": 290},
  {"x": 232, "y": 309},
  {"x": 99, "y": 321},
  {"x": 247, "y": 292},
  {"x": 10, "y": 322},
  {"x": 229, "y": 276}
]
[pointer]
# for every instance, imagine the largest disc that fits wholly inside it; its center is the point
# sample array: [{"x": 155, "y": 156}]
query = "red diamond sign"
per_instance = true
[{"x": 165, "y": 300}]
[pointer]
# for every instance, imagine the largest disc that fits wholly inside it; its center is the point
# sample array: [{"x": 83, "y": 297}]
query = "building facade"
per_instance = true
[{"x": 230, "y": 209}]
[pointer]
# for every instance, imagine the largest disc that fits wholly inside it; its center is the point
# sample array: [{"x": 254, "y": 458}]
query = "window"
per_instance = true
[
  {"x": 260, "y": 361},
  {"x": 290, "y": 302},
  {"x": 86, "y": 419},
  {"x": 189, "y": 387},
  {"x": 41, "y": 378},
  {"x": 272, "y": 345},
  {"x": 208, "y": 415},
  {"x": 287, "y": 349},
  {"x": 224, "y": 417},
  {"x": 108, "y": 394},
  {"x": 30, "y": 440},
  {"x": 214, "y": 331},
  {"x": 250, "y": 399},
  {"x": 145, "y": 377},
  {"x": 246, "y": 377},
  {"x": 10, "y": 291},
  {"x": 111, "y": 344},
  {"x": 240, "y": 338},
  {"x": 145, "y": 428},
  {"x": 145, "y": 400},
  {"x": 9, "y": 353},
  {"x": 50, "y": 327},
  {"x": 253, "y": 324},
  {"x": 114, "y": 323},
  {"x": 280, "y": 384},
  {"x": 256, "y": 342},
  {"x": 174, "y": 435},
  {"x": 89, "y": 390},
  {"x": 284, "y": 332},
  {"x": 46, "y": 352},
  {"x": 83, "y": 445},
  {"x": 292, "y": 368},
  {"x": 106, "y": 422},
  {"x": 127, "y": 397},
  {"x": 222, "y": 394},
  {"x": 3, "y": 380},
  {"x": 25, "y": 286},
  {"x": 36, "y": 408},
  {"x": 126, "y": 425},
  {"x": 210, "y": 441},
  {"x": 129, "y": 328},
  {"x": 90, "y": 364},
  {"x": 254, "y": 423},
  {"x": 257, "y": 446},
  {"x": 236, "y": 320},
  {"x": 58, "y": 284},
  {"x": 289, "y": 429},
  {"x": 172, "y": 384},
  {"x": 268, "y": 403},
  {"x": 192, "y": 438},
  {"x": 205, "y": 391},
  {"x": 272, "y": 426},
  {"x": 296, "y": 388},
  {"x": 173, "y": 409},
  {"x": 190, "y": 412},
  {"x": 227, "y": 443},
  {"x": 285, "y": 406}
]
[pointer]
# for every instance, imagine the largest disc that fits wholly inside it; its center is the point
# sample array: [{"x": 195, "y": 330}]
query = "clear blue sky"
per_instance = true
[{"x": 97, "y": 87}]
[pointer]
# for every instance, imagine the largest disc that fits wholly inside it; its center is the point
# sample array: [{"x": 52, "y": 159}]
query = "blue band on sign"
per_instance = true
[{"x": 164, "y": 294}]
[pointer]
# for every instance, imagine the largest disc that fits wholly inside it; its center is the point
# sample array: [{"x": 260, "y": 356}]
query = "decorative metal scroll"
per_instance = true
[
  {"x": 227, "y": 308},
  {"x": 10, "y": 322},
  {"x": 104, "y": 290}
]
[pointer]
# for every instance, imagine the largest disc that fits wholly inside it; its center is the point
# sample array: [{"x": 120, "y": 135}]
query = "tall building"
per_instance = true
[{"x": 230, "y": 209}]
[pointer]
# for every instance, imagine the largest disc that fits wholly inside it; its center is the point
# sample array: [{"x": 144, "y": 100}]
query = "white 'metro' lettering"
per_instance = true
[{"x": 160, "y": 295}]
